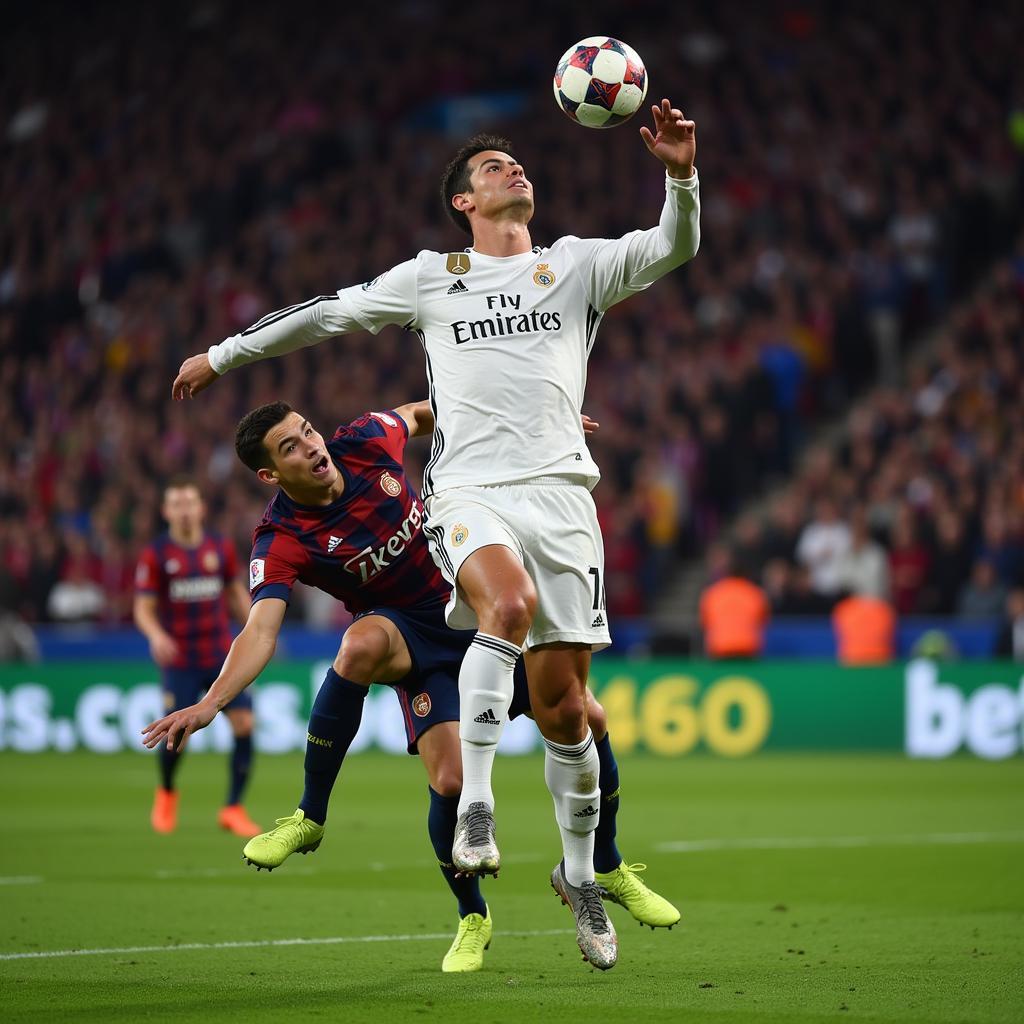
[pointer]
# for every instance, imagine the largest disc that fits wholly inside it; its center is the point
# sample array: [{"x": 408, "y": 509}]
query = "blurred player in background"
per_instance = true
[
  {"x": 346, "y": 520},
  {"x": 507, "y": 328},
  {"x": 186, "y": 582}
]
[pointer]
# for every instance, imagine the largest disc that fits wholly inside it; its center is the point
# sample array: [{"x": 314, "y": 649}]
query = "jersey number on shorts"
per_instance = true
[{"x": 599, "y": 598}]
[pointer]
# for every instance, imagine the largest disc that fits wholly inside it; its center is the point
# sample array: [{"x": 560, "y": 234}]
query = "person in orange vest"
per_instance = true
[
  {"x": 865, "y": 630},
  {"x": 733, "y": 610}
]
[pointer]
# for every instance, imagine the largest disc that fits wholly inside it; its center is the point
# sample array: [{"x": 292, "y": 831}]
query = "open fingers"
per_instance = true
[
  {"x": 154, "y": 732},
  {"x": 180, "y": 388}
]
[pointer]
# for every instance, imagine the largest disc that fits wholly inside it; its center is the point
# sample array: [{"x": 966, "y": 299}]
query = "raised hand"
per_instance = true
[
  {"x": 673, "y": 140},
  {"x": 195, "y": 374}
]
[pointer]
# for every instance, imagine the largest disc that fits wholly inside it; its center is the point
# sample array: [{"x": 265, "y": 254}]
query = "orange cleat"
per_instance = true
[
  {"x": 164, "y": 816},
  {"x": 234, "y": 819}
]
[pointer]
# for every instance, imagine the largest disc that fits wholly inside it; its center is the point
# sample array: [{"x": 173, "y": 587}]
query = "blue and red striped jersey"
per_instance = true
[
  {"x": 189, "y": 586},
  {"x": 367, "y": 548}
]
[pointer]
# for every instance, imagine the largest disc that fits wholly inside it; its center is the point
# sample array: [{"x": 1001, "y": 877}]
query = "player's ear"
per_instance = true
[
  {"x": 268, "y": 476},
  {"x": 462, "y": 202}
]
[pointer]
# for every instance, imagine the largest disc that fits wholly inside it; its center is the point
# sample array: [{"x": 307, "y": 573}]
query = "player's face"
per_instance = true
[
  {"x": 500, "y": 186},
  {"x": 299, "y": 455},
  {"x": 183, "y": 509}
]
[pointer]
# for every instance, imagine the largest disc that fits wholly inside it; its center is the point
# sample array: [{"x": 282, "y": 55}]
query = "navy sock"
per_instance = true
[
  {"x": 606, "y": 853},
  {"x": 444, "y": 813},
  {"x": 241, "y": 764},
  {"x": 333, "y": 724},
  {"x": 169, "y": 761}
]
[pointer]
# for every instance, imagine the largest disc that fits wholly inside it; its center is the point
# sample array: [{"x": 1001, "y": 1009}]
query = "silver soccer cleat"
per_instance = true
[
  {"x": 595, "y": 934},
  {"x": 474, "y": 851}
]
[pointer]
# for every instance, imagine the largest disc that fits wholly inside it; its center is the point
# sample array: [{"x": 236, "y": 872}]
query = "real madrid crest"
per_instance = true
[
  {"x": 544, "y": 276},
  {"x": 459, "y": 534},
  {"x": 390, "y": 485},
  {"x": 458, "y": 263}
]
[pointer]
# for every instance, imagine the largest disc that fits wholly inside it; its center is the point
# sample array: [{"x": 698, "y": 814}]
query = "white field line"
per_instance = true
[
  {"x": 177, "y": 874},
  {"x": 838, "y": 842},
  {"x": 260, "y": 944},
  {"x": 21, "y": 880}
]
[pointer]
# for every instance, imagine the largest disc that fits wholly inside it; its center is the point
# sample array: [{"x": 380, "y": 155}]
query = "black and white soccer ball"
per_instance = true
[{"x": 600, "y": 82}]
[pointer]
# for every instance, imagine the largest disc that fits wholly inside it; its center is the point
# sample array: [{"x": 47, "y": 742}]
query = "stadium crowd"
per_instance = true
[
  {"x": 170, "y": 174},
  {"x": 922, "y": 505}
]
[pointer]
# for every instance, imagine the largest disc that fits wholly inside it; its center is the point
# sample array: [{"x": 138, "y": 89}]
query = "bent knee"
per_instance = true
[
  {"x": 363, "y": 652},
  {"x": 447, "y": 782},
  {"x": 509, "y": 613},
  {"x": 565, "y": 720}
]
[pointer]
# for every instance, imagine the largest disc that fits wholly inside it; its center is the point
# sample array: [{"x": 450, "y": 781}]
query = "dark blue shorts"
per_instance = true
[
  {"x": 430, "y": 692},
  {"x": 184, "y": 686}
]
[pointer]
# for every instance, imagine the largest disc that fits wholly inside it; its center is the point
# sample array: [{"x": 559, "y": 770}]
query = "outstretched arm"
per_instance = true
[
  {"x": 274, "y": 335},
  {"x": 616, "y": 268},
  {"x": 249, "y": 655},
  {"x": 387, "y": 299}
]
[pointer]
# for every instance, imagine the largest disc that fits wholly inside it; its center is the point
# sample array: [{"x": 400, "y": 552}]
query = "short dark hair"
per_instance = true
[
  {"x": 456, "y": 175},
  {"x": 251, "y": 430},
  {"x": 181, "y": 481}
]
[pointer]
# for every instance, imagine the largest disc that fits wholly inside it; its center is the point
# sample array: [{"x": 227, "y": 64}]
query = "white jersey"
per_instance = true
[{"x": 506, "y": 339}]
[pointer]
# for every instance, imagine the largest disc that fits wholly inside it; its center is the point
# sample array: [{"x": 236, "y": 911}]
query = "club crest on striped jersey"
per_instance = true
[
  {"x": 390, "y": 485},
  {"x": 544, "y": 275},
  {"x": 211, "y": 563},
  {"x": 421, "y": 705},
  {"x": 257, "y": 572},
  {"x": 457, "y": 263},
  {"x": 460, "y": 533}
]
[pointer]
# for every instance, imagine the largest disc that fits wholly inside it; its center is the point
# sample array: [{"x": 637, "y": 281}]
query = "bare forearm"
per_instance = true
[
  {"x": 249, "y": 656},
  {"x": 146, "y": 620}
]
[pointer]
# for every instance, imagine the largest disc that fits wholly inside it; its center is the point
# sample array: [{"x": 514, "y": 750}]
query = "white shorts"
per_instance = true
[{"x": 550, "y": 524}]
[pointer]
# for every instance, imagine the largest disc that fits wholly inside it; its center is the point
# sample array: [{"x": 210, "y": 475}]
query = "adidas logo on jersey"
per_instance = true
[
  {"x": 487, "y": 718},
  {"x": 599, "y": 621},
  {"x": 333, "y": 542},
  {"x": 588, "y": 812},
  {"x": 458, "y": 289}
]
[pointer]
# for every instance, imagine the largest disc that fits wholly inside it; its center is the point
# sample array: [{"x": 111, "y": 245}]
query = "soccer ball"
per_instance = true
[{"x": 600, "y": 82}]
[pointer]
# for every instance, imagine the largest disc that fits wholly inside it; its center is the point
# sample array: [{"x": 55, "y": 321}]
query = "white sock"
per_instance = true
[
  {"x": 571, "y": 772},
  {"x": 485, "y": 693}
]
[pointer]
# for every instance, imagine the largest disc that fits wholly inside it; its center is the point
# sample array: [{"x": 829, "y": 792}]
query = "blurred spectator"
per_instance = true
[
  {"x": 1010, "y": 642},
  {"x": 17, "y": 641},
  {"x": 949, "y": 565},
  {"x": 864, "y": 569},
  {"x": 789, "y": 591},
  {"x": 824, "y": 544},
  {"x": 77, "y": 596},
  {"x": 865, "y": 630},
  {"x": 984, "y": 597},
  {"x": 908, "y": 563},
  {"x": 733, "y": 611}
]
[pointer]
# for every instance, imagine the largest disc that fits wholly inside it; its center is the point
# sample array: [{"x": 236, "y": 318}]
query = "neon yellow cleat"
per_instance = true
[
  {"x": 296, "y": 834},
  {"x": 467, "y": 951},
  {"x": 625, "y": 887}
]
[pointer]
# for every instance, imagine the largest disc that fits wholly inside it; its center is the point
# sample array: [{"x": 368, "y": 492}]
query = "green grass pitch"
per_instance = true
[{"x": 813, "y": 888}]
